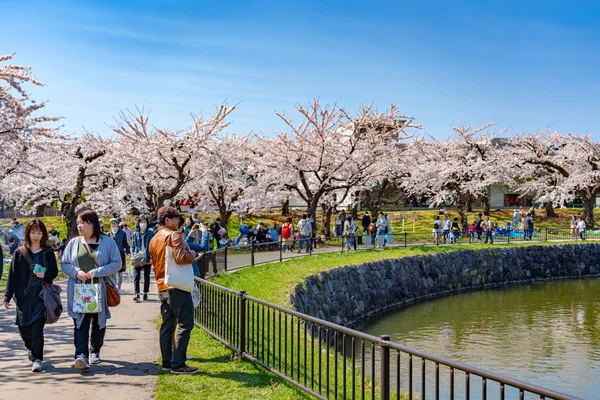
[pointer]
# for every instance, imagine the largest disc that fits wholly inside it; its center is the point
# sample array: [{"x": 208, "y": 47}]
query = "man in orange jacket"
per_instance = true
[{"x": 176, "y": 306}]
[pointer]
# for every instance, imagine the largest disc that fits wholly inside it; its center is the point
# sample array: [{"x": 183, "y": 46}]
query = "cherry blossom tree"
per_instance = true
[
  {"x": 161, "y": 162},
  {"x": 454, "y": 170},
  {"x": 20, "y": 124},
  {"x": 63, "y": 171},
  {"x": 228, "y": 176},
  {"x": 557, "y": 168},
  {"x": 330, "y": 151}
]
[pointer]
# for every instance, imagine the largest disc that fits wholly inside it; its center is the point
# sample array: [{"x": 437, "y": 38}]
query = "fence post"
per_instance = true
[
  {"x": 252, "y": 253},
  {"x": 225, "y": 256},
  {"x": 242, "y": 327},
  {"x": 405, "y": 238},
  {"x": 384, "y": 367},
  {"x": 546, "y": 235},
  {"x": 280, "y": 248},
  {"x": 509, "y": 235}
]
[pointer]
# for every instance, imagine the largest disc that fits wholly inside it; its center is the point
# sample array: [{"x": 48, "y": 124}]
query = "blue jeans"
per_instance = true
[
  {"x": 488, "y": 235},
  {"x": 305, "y": 239},
  {"x": 380, "y": 237}
]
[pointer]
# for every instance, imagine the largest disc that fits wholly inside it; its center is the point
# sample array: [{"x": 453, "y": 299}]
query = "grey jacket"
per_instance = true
[{"x": 108, "y": 258}]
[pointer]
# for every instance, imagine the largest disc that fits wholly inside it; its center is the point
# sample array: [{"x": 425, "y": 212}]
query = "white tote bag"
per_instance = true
[
  {"x": 87, "y": 298},
  {"x": 178, "y": 276}
]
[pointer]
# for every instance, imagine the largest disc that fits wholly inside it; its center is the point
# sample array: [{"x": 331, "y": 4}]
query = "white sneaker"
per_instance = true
[
  {"x": 94, "y": 358},
  {"x": 37, "y": 366},
  {"x": 81, "y": 363}
]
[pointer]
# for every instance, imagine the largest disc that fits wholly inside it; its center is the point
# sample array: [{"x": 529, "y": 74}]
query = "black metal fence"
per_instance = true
[
  {"x": 232, "y": 258},
  {"x": 331, "y": 361}
]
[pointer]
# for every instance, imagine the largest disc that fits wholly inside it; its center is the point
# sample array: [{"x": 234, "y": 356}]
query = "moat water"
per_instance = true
[{"x": 547, "y": 334}]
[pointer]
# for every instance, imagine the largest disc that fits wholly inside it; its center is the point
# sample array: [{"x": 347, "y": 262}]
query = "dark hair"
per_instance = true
[
  {"x": 65, "y": 240},
  {"x": 11, "y": 239},
  {"x": 91, "y": 217},
  {"x": 456, "y": 219},
  {"x": 349, "y": 219},
  {"x": 303, "y": 216},
  {"x": 38, "y": 225},
  {"x": 480, "y": 214},
  {"x": 288, "y": 219},
  {"x": 437, "y": 217}
]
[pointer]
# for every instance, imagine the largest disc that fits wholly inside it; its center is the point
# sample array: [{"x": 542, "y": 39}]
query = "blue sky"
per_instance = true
[{"x": 525, "y": 64}]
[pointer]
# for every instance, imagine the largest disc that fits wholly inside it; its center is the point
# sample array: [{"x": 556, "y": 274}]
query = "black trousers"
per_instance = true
[
  {"x": 84, "y": 343},
  {"x": 177, "y": 310},
  {"x": 33, "y": 337},
  {"x": 138, "y": 275}
]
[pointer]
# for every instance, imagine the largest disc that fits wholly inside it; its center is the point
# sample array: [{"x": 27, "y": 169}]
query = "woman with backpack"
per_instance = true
[
  {"x": 32, "y": 266},
  {"x": 91, "y": 262},
  {"x": 287, "y": 235}
]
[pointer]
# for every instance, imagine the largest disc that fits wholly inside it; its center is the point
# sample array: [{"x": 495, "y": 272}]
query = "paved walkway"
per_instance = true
[{"x": 128, "y": 368}]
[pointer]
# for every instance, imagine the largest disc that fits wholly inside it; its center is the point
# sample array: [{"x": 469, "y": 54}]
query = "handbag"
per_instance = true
[
  {"x": 87, "y": 298},
  {"x": 113, "y": 298},
  {"x": 139, "y": 259},
  {"x": 178, "y": 276},
  {"x": 196, "y": 296},
  {"x": 50, "y": 294}
]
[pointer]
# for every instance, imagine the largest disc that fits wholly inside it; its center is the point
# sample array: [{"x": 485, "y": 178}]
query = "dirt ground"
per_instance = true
[{"x": 128, "y": 368}]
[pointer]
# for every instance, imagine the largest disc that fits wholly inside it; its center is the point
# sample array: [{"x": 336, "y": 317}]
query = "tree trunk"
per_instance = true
[
  {"x": 39, "y": 210},
  {"x": 588, "y": 211},
  {"x": 485, "y": 204},
  {"x": 225, "y": 215},
  {"x": 550, "y": 213},
  {"x": 327, "y": 213},
  {"x": 463, "y": 218},
  {"x": 470, "y": 204},
  {"x": 285, "y": 208},
  {"x": 68, "y": 210},
  {"x": 354, "y": 210}
]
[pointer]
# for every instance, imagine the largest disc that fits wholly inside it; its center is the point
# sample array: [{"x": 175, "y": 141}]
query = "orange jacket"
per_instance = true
[{"x": 158, "y": 248}]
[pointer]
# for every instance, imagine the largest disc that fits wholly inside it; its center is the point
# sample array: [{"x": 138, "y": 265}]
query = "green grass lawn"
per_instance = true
[
  {"x": 273, "y": 283},
  {"x": 221, "y": 376}
]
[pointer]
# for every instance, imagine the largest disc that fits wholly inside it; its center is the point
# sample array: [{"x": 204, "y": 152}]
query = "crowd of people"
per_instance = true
[{"x": 99, "y": 259}]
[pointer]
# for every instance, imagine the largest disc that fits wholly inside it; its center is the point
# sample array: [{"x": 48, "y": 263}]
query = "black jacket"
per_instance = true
[
  {"x": 366, "y": 221},
  {"x": 18, "y": 280}
]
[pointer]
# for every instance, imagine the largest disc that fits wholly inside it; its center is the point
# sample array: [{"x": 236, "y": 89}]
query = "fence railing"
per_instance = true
[
  {"x": 235, "y": 257},
  {"x": 328, "y": 360},
  {"x": 10, "y": 214}
]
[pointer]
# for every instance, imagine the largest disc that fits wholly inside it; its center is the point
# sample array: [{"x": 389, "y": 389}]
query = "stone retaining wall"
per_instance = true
[{"x": 349, "y": 294}]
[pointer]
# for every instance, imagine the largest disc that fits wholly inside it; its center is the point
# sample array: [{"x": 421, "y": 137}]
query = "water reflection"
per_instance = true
[{"x": 547, "y": 333}]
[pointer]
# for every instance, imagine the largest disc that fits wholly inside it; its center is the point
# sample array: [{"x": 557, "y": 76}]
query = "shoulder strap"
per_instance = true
[
  {"x": 25, "y": 253},
  {"x": 87, "y": 247}
]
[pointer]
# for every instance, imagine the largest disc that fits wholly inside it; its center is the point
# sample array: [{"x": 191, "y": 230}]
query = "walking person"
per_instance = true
[
  {"x": 380, "y": 224},
  {"x": 479, "y": 224},
  {"x": 120, "y": 238},
  {"x": 128, "y": 232},
  {"x": 140, "y": 245},
  {"x": 32, "y": 266},
  {"x": 305, "y": 230},
  {"x": 489, "y": 230},
  {"x": 581, "y": 228},
  {"x": 516, "y": 219},
  {"x": 365, "y": 222},
  {"x": 90, "y": 258},
  {"x": 574, "y": 232},
  {"x": 446, "y": 225},
  {"x": 437, "y": 229},
  {"x": 349, "y": 233},
  {"x": 176, "y": 308},
  {"x": 287, "y": 234}
]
